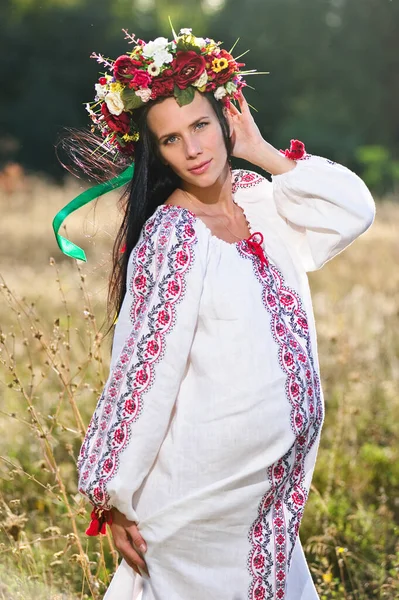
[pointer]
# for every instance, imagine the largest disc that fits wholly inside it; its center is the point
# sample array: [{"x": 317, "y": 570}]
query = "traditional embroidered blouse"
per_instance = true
[{"x": 207, "y": 430}]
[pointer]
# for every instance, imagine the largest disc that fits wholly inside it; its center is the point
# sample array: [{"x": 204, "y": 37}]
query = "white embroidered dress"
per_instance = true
[{"x": 207, "y": 430}]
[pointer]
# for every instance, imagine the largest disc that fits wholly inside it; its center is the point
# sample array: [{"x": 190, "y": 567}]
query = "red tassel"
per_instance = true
[
  {"x": 99, "y": 518},
  {"x": 256, "y": 247},
  {"x": 296, "y": 151}
]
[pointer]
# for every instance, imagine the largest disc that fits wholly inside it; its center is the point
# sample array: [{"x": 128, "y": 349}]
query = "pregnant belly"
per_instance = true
[{"x": 217, "y": 440}]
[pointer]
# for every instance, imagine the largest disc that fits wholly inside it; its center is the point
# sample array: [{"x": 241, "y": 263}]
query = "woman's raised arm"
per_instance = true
[{"x": 325, "y": 205}]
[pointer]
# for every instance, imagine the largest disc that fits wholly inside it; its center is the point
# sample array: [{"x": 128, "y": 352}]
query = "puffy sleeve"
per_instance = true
[
  {"x": 151, "y": 345},
  {"x": 324, "y": 207}
]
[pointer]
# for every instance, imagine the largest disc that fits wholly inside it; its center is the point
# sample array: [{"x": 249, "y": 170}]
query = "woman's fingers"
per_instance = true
[
  {"x": 243, "y": 103},
  {"x": 125, "y": 547},
  {"x": 130, "y": 555},
  {"x": 233, "y": 109},
  {"x": 130, "y": 528},
  {"x": 137, "y": 538},
  {"x": 135, "y": 567},
  {"x": 127, "y": 540}
]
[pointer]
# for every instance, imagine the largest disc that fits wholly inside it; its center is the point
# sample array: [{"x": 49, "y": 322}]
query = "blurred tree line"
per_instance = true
[{"x": 333, "y": 65}]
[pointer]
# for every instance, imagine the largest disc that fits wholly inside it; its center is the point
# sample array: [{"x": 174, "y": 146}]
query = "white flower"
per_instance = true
[
  {"x": 144, "y": 94},
  {"x": 202, "y": 79},
  {"x": 220, "y": 92},
  {"x": 155, "y": 46},
  {"x": 114, "y": 103},
  {"x": 101, "y": 90},
  {"x": 200, "y": 42},
  {"x": 153, "y": 69},
  {"x": 187, "y": 31},
  {"x": 161, "y": 57}
]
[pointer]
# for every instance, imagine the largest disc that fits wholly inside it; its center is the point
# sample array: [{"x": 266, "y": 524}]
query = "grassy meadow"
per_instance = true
[{"x": 54, "y": 361}]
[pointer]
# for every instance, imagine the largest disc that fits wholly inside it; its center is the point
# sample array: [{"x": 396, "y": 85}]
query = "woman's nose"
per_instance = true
[{"x": 192, "y": 148}]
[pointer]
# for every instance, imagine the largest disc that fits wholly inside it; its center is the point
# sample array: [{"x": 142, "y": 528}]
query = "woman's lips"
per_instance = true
[{"x": 201, "y": 169}]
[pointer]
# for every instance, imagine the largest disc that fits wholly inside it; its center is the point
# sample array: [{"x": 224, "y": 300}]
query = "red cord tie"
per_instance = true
[
  {"x": 99, "y": 518},
  {"x": 296, "y": 151},
  {"x": 256, "y": 247}
]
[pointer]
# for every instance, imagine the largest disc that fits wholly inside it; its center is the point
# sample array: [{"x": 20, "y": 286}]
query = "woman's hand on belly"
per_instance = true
[{"x": 128, "y": 541}]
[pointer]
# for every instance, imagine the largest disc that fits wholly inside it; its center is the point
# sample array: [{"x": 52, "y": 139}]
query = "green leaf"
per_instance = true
[
  {"x": 173, "y": 31},
  {"x": 184, "y": 96},
  {"x": 130, "y": 99}
]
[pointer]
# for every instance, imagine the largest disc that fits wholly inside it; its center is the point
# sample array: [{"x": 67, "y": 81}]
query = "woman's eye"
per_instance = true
[
  {"x": 173, "y": 136},
  {"x": 203, "y": 123}
]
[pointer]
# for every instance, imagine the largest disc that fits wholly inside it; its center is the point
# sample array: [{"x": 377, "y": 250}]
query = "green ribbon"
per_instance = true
[{"x": 67, "y": 247}]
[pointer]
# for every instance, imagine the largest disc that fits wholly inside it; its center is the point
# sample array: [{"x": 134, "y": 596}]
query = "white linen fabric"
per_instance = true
[{"x": 208, "y": 427}]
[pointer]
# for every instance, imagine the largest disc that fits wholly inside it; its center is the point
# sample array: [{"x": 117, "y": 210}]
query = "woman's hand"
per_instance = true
[
  {"x": 127, "y": 540},
  {"x": 246, "y": 136}
]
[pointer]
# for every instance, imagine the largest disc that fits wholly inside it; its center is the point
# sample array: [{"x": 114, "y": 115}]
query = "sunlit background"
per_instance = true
[{"x": 333, "y": 83}]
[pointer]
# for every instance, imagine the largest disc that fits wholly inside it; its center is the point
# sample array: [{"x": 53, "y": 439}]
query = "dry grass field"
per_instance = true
[{"x": 53, "y": 364}]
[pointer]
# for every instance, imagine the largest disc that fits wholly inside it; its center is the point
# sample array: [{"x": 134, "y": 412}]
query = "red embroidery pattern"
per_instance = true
[
  {"x": 274, "y": 532},
  {"x": 122, "y": 400},
  {"x": 245, "y": 179}
]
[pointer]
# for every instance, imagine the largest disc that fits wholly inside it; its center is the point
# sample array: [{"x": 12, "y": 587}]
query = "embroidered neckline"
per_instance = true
[{"x": 237, "y": 175}]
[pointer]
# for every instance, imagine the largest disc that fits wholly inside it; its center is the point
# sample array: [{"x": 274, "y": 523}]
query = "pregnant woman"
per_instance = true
[{"x": 204, "y": 440}]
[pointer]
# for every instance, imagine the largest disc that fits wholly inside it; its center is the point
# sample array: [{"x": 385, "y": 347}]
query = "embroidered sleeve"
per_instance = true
[
  {"x": 151, "y": 346},
  {"x": 325, "y": 206}
]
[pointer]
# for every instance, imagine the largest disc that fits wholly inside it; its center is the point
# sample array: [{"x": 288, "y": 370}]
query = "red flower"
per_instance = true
[
  {"x": 102, "y": 81},
  {"x": 140, "y": 79},
  {"x": 258, "y": 530},
  {"x": 141, "y": 377},
  {"x": 259, "y": 561},
  {"x": 119, "y": 435},
  {"x": 108, "y": 465},
  {"x": 125, "y": 67},
  {"x": 286, "y": 299},
  {"x": 271, "y": 300},
  {"x": 140, "y": 281},
  {"x": 187, "y": 67},
  {"x": 211, "y": 86},
  {"x": 163, "y": 317},
  {"x": 119, "y": 123},
  {"x": 152, "y": 347},
  {"x": 298, "y": 498},
  {"x": 182, "y": 257},
  {"x": 162, "y": 87},
  {"x": 288, "y": 359},
  {"x": 130, "y": 405}
]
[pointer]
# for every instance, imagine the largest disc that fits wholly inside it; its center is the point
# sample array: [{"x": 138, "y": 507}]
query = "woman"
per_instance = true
[{"x": 203, "y": 443}]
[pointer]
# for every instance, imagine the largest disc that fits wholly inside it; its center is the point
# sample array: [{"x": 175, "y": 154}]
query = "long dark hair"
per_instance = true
[{"x": 152, "y": 183}]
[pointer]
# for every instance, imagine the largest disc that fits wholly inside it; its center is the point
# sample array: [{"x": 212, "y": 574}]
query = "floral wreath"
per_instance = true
[
  {"x": 151, "y": 70},
  {"x": 159, "y": 68}
]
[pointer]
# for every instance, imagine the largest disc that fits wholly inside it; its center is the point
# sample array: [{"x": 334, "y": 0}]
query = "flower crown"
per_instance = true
[
  {"x": 159, "y": 68},
  {"x": 151, "y": 70}
]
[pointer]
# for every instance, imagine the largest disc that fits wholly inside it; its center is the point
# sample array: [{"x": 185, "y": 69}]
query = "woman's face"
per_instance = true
[{"x": 188, "y": 136}]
